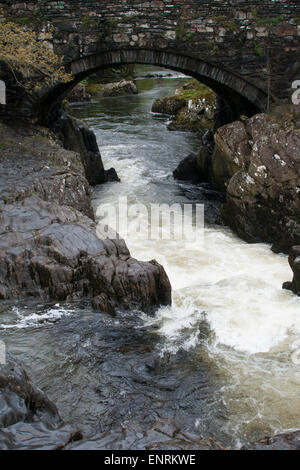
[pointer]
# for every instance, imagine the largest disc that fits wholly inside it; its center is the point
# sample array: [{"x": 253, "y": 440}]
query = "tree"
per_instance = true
[{"x": 30, "y": 57}]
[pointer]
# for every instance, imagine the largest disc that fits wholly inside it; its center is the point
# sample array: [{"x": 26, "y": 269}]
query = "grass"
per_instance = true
[{"x": 197, "y": 90}]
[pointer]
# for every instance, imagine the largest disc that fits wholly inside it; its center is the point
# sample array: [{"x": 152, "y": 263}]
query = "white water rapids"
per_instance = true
[{"x": 227, "y": 287}]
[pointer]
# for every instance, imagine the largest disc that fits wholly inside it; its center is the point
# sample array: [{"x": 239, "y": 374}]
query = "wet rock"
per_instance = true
[
  {"x": 219, "y": 171},
  {"x": 164, "y": 434},
  {"x": 28, "y": 419},
  {"x": 195, "y": 168},
  {"x": 111, "y": 175},
  {"x": 294, "y": 261},
  {"x": 33, "y": 163},
  {"x": 77, "y": 136},
  {"x": 35, "y": 436},
  {"x": 79, "y": 94},
  {"x": 263, "y": 162},
  {"x": 204, "y": 163},
  {"x": 124, "y": 87},
  {"x": 187, "y": 170},
  {"x": 101, "y": 303},
  {"x": 284, "y": 441},
  {"x": 20, "y": 399},
  {"x": 53, "y": 252}
]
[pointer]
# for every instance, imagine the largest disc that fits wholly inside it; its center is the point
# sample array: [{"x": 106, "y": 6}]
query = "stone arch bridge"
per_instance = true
[{"x": 246, "y": 51}]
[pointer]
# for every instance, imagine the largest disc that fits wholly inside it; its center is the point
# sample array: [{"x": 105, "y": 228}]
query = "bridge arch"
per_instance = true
[{"x": 241, "y": 96}]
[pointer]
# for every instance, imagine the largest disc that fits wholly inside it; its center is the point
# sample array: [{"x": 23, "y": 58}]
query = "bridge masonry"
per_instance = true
[{"x": 242, "y": 49}]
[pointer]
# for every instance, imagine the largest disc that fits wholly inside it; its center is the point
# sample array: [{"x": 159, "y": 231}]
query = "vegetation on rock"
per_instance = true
[{"x": 192, "y": 107}]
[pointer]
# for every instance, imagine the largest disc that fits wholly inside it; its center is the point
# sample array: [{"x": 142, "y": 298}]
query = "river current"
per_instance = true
[{"x": 222, "y": 360}]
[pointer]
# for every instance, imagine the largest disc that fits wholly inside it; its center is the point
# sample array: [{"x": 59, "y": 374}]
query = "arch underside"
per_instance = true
[{"x": 240, "y": 95}]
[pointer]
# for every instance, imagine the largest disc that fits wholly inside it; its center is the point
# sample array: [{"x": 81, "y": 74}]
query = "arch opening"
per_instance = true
[{"x": 240, "y": 96}]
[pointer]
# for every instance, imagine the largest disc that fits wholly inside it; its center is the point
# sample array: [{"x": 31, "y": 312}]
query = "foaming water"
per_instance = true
[
  {"x": 21, "y": 318},
  {"x": 228, "y": 302}
]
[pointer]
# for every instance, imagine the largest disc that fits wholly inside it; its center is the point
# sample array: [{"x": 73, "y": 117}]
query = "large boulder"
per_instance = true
[
  {"x": 53, "y": 252},
  {"x": 195, "y": 168},
  {"x": 124, "y": 87},
  {"x": 187, "y": 170},
  {"x": 262, "y": 159},
  {"x": 78, "y": 137}
]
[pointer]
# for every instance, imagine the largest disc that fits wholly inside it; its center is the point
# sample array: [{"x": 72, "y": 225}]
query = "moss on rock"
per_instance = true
[{"x": 192, "y": 107}]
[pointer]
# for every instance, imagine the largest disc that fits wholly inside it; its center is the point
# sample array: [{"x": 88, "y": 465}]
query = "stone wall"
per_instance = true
[{"x": 243, "y": 47}]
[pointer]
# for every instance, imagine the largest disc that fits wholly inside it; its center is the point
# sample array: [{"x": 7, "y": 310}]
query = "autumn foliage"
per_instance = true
[{"x": 30, "y": 57}]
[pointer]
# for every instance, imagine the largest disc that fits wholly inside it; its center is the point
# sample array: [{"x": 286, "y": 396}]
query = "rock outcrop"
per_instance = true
[
  {"x": 49, "y": 247},
  {"x": 53, "y": 252},
  {"x": 263, "y": 163},
  {"x": 76, "y": 136},
  {"x": 33, "y": 163}
]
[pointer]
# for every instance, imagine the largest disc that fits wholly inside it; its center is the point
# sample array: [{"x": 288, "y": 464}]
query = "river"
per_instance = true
[{"x": 222, "y": 360}]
